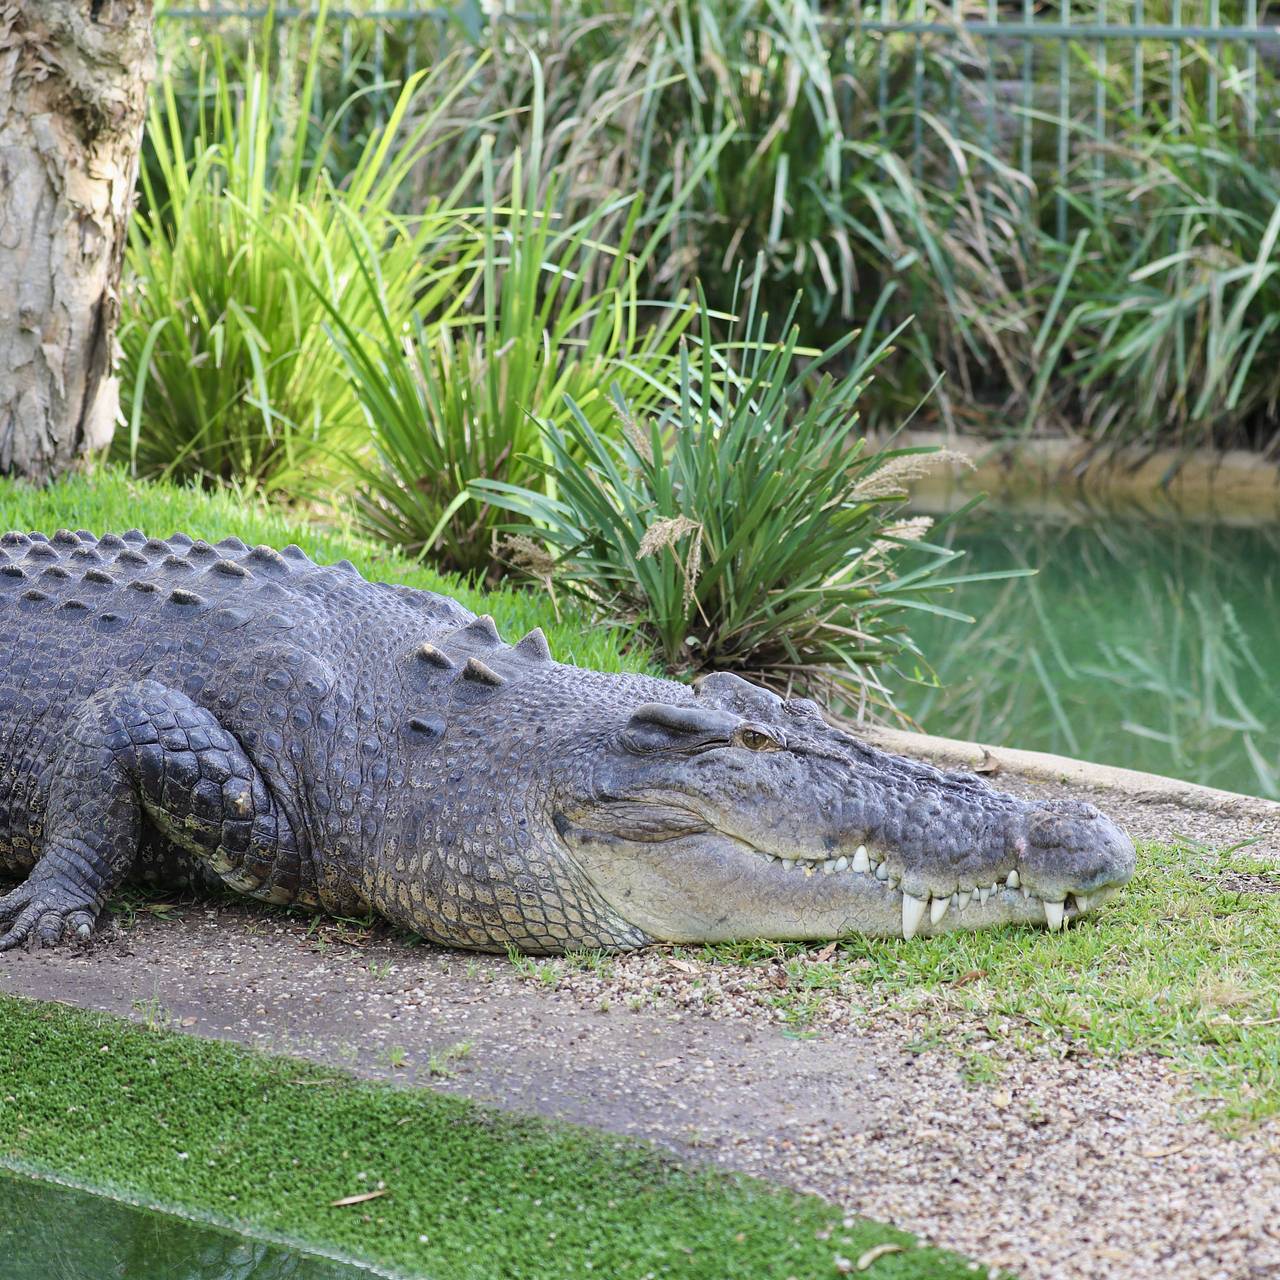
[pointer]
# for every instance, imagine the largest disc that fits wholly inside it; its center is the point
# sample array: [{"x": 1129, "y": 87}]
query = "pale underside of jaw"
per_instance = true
[{"x": 865, "y": 863}]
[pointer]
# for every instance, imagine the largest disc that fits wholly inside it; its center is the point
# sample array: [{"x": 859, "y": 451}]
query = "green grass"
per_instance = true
[
  {"x": 1183, "y": 965},
  {"x": 245, "y": 241},
  {"x": 110, "y": 501},
  {"x": 269, "y": 1143}
]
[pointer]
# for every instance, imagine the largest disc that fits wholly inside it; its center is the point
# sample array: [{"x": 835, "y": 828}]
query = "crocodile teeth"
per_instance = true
[
  {"x": 842, "y": 863},
  {"x": 984, "y": 892},
  {"x": 882, "y": 872},
  {"x": 1013, "y": 880},
  {"x": 788, "y": 863},
  {"x": 912, "y": 913},
  {"x": 1026, "y": 893},
  {"x": 1053, "y": 913},
  {"x": 1082, "y": 902},
  {"x": 860, "y": 860},
  {"x": 964, "y": 898},
  {"x": 938, "y": 909}
]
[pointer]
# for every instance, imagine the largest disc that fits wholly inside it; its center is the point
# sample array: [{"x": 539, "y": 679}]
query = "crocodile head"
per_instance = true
[{"x": 728, "y": 812}]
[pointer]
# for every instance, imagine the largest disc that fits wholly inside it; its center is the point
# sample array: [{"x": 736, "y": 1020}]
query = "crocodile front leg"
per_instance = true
[{"x": 146, "y": 748}]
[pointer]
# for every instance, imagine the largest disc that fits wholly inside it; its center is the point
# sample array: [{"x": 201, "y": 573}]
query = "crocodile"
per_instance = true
[{"x": 225, "y": 715}]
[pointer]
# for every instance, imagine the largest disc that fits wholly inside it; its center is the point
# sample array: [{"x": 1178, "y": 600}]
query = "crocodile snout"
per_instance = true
[{"x": 1072, "y": 847}]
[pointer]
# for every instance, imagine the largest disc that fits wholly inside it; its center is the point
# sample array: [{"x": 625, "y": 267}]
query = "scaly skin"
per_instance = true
[{"x": 198, "y": 714}]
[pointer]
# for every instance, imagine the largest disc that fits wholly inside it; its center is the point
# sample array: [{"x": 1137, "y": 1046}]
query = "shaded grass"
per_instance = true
[
  {"x": 269, "y": 1143},
  {"x": 1183, "y": 965},
  {"x": 109, "y": 501}
]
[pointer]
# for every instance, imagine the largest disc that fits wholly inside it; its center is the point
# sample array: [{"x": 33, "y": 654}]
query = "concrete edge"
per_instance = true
[
  {"x": 1233, "y": 485},
  {"x": 1151, "y": 788}
]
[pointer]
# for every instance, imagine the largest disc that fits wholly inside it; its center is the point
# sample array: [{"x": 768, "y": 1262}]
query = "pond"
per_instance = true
[
  {"x": 47, "y": 1230},
  {"x": 1152, "y": 643}
]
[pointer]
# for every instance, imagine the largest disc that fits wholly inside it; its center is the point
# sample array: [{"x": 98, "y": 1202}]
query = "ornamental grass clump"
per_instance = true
[
  {"x": 544, "y": 309},
  {"x": 839, "y": 178},
  {"x": 743, "y": 524},
  {"x": 228, "y": 371},
  {"x": 1164, "y": 325}
]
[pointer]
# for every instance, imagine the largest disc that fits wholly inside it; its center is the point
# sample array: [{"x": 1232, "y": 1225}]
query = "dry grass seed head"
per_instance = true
[
  {"x": 911, "y": 530},
  {"x": 666, "y": 533},
  {"x": 894, "y": 476},
  {"x": 638, "y": 440},
  {"x": 524, "y": 554}
]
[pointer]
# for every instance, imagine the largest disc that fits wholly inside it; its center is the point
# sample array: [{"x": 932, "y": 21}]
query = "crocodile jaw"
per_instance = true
[{"x": 710, "y": 888}]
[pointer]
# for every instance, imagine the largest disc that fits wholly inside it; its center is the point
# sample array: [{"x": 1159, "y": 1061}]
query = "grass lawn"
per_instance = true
[
  {"x": 110, "y": 502},
  {"x": 1183, "y": 964},
  {"x": 223, "y": 1133},
  {"x": 270, "y": 1143}
]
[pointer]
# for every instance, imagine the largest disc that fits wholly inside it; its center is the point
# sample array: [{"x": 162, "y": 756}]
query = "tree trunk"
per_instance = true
[{"x": 73, "y": 91}]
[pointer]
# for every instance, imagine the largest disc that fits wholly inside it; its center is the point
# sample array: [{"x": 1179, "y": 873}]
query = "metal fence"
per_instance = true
[{"x": 1040, "y": 86}]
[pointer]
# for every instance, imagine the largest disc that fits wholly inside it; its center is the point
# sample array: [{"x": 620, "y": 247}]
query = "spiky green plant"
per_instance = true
[
  {"x": 228, "y": 372},
  {"x": 744, "y": 524},
  {"x": 542, "y": 309},
  {"x": 867, "y": 204},
  {"x": 1167, "y": 323}
]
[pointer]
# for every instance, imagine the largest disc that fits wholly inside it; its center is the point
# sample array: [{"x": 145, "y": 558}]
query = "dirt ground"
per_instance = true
[{"x": 1061, "y": 1169}]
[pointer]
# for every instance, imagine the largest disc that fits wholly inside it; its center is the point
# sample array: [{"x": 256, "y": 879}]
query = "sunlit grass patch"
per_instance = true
[
  {"x": 1184, "y": 964},
  {"x": 109, "y": 501},
  {"x": 408, "y": 1179}
]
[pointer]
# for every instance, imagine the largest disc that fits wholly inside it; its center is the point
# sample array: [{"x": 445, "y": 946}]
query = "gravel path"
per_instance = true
[{"x": 1060, "y": 1168}]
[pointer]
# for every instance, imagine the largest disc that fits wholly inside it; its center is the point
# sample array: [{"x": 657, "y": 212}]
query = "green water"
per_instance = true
[
  {"x": 49, "y": 1232},
  {"x": 1140, "y": 642}
]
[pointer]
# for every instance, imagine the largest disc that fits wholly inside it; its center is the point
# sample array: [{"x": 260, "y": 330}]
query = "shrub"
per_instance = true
[
  {"x": 541, "y": 308},
  {"x": 838, "y": 182},
  {"x": 833, "y": 180},
  {"x": 1165, "y": 324},
  {"x": 743, "y": 525},
  {"x": 227, "y": 368}
]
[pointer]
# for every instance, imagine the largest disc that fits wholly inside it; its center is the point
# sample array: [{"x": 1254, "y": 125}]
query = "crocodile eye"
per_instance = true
[{"x": 755, "y": 739}]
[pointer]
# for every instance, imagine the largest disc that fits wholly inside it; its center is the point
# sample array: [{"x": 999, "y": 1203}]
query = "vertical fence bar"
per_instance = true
[
  {"x": 957, "y": 18},
  {"x": 990, "y": 48},
  {"x": 414, "y": 32},
  {"x": 887, "y": 12},
  {"x": 1215, "y": 52},
  {"x": 1175, "y": 71},
  {"x": 311, "y": 28},
  {"x": 1028, "y": 85},
  {"x": 917, "y": 97},
  {"x": 344, "y": 125},
  {"x": 379, "y": 67},
  {"x": 1251, "y": 68},
  {"x": 1064, "y": 117},
  {"x": 1099, "y": 110},
  {"x": 1138, "y": 65}
]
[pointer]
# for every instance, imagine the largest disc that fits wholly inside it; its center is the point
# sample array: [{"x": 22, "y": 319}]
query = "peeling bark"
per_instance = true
[{"x": 73, "y": 92}]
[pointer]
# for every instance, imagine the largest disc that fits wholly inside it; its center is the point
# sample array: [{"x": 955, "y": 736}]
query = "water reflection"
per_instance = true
[
  {"x": 1146, "y": 643},
  {"x": 48, "y": 1232}
]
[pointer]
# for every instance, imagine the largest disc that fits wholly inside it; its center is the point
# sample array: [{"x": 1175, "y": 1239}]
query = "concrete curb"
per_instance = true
[
  {"x": 1151, "y": 788},
  {"x": 1233, "y": 486}
]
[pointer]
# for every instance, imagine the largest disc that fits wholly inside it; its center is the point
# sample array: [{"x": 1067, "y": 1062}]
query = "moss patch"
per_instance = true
[{"x": 270, "y": 1143}]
